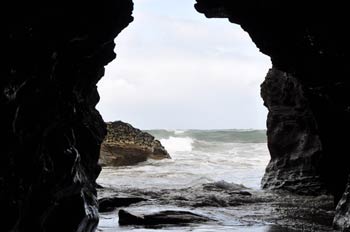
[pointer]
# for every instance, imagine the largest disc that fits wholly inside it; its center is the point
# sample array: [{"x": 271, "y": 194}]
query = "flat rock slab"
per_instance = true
[
  {"x": 161, "y": 218},
  {"x": 108, "y": 204}
]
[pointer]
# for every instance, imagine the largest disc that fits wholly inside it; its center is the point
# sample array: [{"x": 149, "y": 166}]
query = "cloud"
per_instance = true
[{"x": 176, "y": 71}]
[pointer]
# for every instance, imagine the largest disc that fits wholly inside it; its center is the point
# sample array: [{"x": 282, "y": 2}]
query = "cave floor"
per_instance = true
[{"x": 230, "y": 207}]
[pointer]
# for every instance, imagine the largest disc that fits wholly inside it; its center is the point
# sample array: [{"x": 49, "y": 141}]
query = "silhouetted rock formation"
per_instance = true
[
  {"x": 161, "y": 218},
  {"x": 126, "y": 145},
  {"x": 293, "y": 140},
  {"x": 51, "y": 59},
  {"x": 342, "y": 216},
  {"x": 108, "y": 204},
  {"x": 53, "y": 56},
  {"x": 305, "y": 43}
]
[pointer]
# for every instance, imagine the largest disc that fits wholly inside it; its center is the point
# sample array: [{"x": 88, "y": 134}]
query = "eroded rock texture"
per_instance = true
[
  {"x": 126, "y": 145},
  {"x": 293, "y": 139},
  {"x": 52, "y": 58},
  {"x": 342, "y": 217},
  {"x": 307, "y": 41}
]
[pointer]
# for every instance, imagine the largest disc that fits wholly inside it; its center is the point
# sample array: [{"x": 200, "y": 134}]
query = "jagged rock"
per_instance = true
[
  {"x": 126, "y": 145},
  {"x": 342, "y": 217},
  {"x": 52, "y": 56},
  {"x": 108, "y": 204},
  {"x": 293, "y": 139},
  {"x": 161, "y": 218},
  {"x": 313, "y": 48}
]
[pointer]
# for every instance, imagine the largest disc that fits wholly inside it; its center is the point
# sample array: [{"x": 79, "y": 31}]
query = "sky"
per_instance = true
[{"x": 176, "y": 69}]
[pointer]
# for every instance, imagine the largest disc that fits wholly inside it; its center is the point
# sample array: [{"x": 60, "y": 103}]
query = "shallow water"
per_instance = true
[{"x": 203, "y": 177}]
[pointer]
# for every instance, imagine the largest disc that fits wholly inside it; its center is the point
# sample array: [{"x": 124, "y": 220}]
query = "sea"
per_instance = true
[{"x": 198, "y": 158}]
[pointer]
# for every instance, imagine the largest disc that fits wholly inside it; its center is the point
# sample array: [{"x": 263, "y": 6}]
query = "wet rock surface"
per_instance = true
[
  {"x": 52, "y": 57},
  {"x": 160, "y": 218},
  {"x": 342, "y": 216},
  {"x": 126, "y": 145},
  {"x": 285, "y": 211},
  {"x": 108, "y": 204},
  {"x": 293, "y": 138},
  {"x": 314, "y": 49}
]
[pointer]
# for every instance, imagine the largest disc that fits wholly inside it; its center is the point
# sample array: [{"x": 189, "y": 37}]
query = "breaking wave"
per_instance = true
[{"x": 224, "y": 136}]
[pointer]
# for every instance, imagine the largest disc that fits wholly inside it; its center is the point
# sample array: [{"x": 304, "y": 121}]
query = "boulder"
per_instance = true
[
  {"x": 110, "y": 203},
  {"x": 161, "y": 218},
  {"x": 126, "y": 145}
]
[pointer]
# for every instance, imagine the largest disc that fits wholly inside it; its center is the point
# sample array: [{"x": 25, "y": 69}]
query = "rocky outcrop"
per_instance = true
[
  {"x": 126, "y": 145},
  {"x": 305, "y": 43},
  {"x": 52, "y": 56},
  {"x": 293, "y": 139},
  {"x": 342, "y": 217},
  {"x": 223, "y": 201}
]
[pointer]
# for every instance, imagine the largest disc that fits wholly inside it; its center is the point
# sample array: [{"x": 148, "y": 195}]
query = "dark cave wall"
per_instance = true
[
  {"x": 307, "y": 42},
  {"x": 52, "y": 57},
  {"x": 293, "y": 139}
]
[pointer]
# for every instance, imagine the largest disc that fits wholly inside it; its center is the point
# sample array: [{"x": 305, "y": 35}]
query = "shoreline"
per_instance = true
[{"x": 259, "y": 210}]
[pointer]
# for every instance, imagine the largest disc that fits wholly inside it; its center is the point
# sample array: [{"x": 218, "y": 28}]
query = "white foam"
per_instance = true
[
  {"x": 174, "y": 144},
  {"x": 178, "y": 132}
]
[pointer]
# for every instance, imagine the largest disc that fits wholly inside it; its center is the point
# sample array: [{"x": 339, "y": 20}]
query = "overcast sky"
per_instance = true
[{"x": 175, "y": 69}]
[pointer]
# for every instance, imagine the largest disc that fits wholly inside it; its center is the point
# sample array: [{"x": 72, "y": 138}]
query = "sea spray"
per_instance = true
[
  {"x": 198, "y": 157},
  {"x": 177, "y": 144},
  {"x": 208, "y": 175}
]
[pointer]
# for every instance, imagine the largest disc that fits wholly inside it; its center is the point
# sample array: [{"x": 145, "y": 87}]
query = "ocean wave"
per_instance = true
[
  {"x": 176, "y": 144},
  {"x": 179, "y": 132},
  {"x": 222, "y": 184},
  {"x": 222, "y": 136}
]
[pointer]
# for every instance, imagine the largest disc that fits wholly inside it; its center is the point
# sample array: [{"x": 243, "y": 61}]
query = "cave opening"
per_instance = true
[
  {"x": 176, "y": 71},
  {"x": 53, "y": 57},
  {"x": 194, "y": 84}
]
